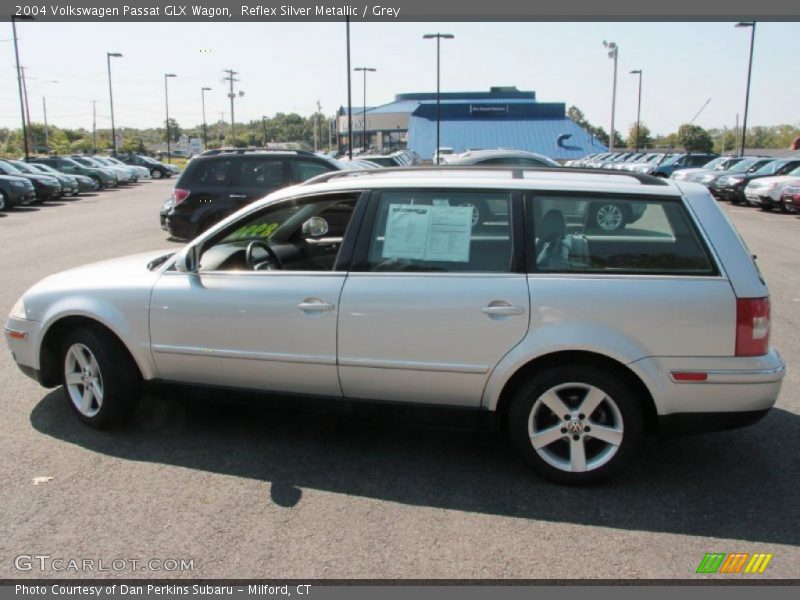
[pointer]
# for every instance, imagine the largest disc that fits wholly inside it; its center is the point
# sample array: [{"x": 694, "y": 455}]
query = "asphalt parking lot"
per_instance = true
[{"x": 280, "y": 491}]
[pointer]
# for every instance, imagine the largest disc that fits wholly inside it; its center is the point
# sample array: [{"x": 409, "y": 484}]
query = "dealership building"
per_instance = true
[{"x": 503, "y": 117}]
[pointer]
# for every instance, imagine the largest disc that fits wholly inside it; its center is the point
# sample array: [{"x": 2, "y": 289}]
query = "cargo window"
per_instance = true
[
  {"x": 623, "y": 235},
  {"x": 213, "y": 172}
]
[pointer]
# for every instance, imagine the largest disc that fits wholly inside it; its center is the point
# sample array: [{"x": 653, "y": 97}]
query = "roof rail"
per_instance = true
[
  {"x": 217, "y": 151},
  {"x": 515, "y": 171}
]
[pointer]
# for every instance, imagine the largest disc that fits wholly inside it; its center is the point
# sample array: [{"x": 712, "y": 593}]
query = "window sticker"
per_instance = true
[{"x": 434, "y": 233}]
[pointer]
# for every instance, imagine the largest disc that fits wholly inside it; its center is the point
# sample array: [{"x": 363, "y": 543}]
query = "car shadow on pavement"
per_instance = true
[{"x": 732, "y": 485}]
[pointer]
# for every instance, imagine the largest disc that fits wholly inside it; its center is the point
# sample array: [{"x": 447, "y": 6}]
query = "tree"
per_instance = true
[
  {"x": 694, "y": 138},
  {"x": 576, "y": 114},
  {"x": 644, "y": 140},
  {"x": 174, "y": 130}
]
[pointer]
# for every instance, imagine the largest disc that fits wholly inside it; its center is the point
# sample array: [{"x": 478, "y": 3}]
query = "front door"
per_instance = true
[{"x": 261, "y": 310}]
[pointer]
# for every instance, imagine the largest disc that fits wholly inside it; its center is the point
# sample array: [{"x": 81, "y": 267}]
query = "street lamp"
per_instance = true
[
  {"x": 438, "y": 37},
  {"x": 639, "y": 106},
  {"x": 752, "y": 26},
  {"x": 613, "y": 50},
  {"x": 364, "y": 135},
  {"x": 109, "y": 56},
  {"x": 166, "y": 101},
  {"x": 14, "y": 19},
  {"x": 203, "y": 91}
]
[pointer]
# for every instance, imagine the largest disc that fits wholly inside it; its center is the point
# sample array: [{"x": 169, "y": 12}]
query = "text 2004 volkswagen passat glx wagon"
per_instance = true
[{"x": 493, "y": 289}]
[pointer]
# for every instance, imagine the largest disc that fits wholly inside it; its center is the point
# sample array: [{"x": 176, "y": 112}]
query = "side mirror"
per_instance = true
[
  {"x": 186, "y": 260},
  {"x": 315, "y": 227}
]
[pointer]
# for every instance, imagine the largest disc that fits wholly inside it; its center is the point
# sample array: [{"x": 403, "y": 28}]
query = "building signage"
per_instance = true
[{"x": 495, "y": 109}]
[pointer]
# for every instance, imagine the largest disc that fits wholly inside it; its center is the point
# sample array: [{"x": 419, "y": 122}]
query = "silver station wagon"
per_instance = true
[{"x": 382, "y": 286}]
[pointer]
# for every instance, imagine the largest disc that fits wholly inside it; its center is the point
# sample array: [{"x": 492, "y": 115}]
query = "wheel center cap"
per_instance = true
[{"x": 575, "y": 426}]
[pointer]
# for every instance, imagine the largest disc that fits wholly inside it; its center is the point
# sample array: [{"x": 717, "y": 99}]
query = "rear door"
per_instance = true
[{"x": 433, "y": 301}]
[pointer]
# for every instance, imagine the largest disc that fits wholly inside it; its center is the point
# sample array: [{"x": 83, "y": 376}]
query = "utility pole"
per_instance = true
[
  {"x": 94, "y": 126},
  {"x": 349, "y": 97},
  {"x": 317, "y": 127},
  {"x": 46, "y": 136},
  {"x": 27, "y": 108},
  {"x": 109, "y": 56},
  {"x": 14, "y": 19},
  {"x": 231, "y": 80},
  {"x": 203, "y": 91},
  {"x": 613, "y": 52},
  {"x": 438, "y": 37}
]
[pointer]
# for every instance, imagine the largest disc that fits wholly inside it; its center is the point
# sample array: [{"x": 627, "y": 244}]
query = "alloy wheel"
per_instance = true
[{"x": 84, "y": 381}]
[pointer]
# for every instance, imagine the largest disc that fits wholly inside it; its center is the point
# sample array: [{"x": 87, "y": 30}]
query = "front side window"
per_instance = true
[
  {"x": 614, "y": 235},
  {"x": 441, "y": 231},
  {"x": 303, "y": 234}
]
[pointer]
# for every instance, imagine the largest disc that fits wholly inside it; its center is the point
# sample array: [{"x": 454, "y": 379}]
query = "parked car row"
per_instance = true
[
  {"x": 43, "y": 178},
  {"x": 752, "y": 180}
]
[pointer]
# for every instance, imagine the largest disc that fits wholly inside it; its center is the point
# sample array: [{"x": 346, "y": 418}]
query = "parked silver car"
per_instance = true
[{"x": 378, "y": 286}]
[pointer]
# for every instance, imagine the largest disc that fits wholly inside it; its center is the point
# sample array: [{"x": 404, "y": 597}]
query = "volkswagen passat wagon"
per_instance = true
[{"x": 379, "y": 286}]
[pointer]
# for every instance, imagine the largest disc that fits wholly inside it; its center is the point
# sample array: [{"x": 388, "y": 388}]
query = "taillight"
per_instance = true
[
  {"x": 752, "y": 326},
  {"x": 179, "y": 195}
]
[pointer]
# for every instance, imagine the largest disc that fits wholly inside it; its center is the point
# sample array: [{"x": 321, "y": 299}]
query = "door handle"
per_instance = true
[
  {"x": 315, "y": 305},
  {"x": 502, "y": 310}
]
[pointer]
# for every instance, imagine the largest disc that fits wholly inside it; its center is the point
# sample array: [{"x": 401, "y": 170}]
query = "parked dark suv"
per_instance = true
[
  {"x": 215, "y": 186},
  {"x": 157, "y": 170}
]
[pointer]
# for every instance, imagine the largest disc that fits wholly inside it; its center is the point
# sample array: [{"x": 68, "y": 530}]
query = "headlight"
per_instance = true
[
  {"x": 707, "y": 178},
  {"x": 19, "y": 184},
  {"x": 733, "y": 180},
  {"x": 18, "y": 310},
  {"x": 679, "y": 175},
  {"x": 770, "y": 186}
]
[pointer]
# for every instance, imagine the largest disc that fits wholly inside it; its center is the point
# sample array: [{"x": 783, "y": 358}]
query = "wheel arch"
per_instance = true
[
  {"x": 53, "y": 337},
  {"x": 582, "y": 357}
]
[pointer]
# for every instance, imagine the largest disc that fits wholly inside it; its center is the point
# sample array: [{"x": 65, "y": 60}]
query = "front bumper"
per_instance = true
[
  {"x": 20, "y": 196},
  {"x": 22, "y": 337}
]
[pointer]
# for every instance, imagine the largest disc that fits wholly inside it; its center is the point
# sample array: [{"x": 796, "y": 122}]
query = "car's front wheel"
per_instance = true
[
  {"x": 607, "y": 217},
  {"x": 575, "y": 424},
  {"x": 155, "y": 174},
  {"x": 2, "y": 200},
  {"x": 101, "y": 381}
]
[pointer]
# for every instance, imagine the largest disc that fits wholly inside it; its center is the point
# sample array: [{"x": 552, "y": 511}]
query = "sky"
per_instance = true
[{"x": 288, "y": 67}]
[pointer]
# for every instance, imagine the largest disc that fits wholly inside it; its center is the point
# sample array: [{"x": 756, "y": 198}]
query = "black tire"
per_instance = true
[
  {"x": 118, "y": 376},
  {"x": 618, "y": 411},
  {"x": 3, "y": 202},
  {"x": 156, "y": 174},
  {"x": 99, "y": 182}
]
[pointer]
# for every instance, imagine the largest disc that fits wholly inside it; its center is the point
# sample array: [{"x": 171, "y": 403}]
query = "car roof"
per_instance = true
[{"x": 510, "y": 178}]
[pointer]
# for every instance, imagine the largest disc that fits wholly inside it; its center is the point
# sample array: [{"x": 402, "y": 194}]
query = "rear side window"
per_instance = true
[
  {"x": 306, "y": 169},
  {"x": 441, "y": 231},
  {"x": 213, "y": 172},
  {"x": 614, "y": 235},
  {"x": 262, "y": 173}
]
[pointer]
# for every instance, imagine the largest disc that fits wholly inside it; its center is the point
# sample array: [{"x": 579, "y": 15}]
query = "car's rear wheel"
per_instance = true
[
  {"x": 2, "y": 200},
  {"x": 575, "y": 424},
  {"x": 99, "y": 183},
  {"x": 100, "y": 379},
  {"x": 155, "y": 174}
]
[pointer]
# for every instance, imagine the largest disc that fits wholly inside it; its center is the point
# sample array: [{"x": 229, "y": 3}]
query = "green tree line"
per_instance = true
[{"x": 281, "y": 128}]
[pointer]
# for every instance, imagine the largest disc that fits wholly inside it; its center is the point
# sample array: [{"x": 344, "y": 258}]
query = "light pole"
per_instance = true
[
  {"x": 203, "y": 91},
  {"x": 166, "y": 102},
  {"x": 613, "y": 50},
  {"x": 349, "y": 97},
  {"x": 109, "y": 56},
  {"x": 438, "y": 37},
  {"x": 44, "y": 111},
  {"x": 752, "y": 26},
  {"x": 365, "y": 70},
  {"x": 14, "y": 19},
  {"x": 264, "y": 125},
  {"x": 639, "y": 106}
]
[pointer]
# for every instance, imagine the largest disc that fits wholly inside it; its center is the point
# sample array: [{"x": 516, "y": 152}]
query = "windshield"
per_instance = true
[
  {"x": 43, "y": 168},
  {"x": 24, "y": 167},
  {"x": 713, "y": 164},
  {"x": 149, "y": 160},
  {"x": 671, "y": 159},
  {"x": 9, "y": 169},
  {"x": 102, "y": 161},
  {"x": 744, "y": 165},
  {"x": 794, "y": 172},
  {"x": 86, "y": 162},
  {"x": 771, "y": 167}
]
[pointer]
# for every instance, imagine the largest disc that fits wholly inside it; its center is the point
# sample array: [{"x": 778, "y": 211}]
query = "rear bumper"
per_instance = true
[
  {"x": 679, "y": 424},
  {"x": 724, "y": 386}
]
